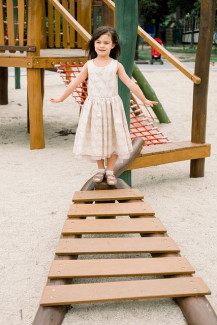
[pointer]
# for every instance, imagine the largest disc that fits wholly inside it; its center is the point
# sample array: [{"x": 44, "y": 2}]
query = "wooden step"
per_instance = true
[
  {"x": 169, "y": 153},
  {"x": 114, "y": 226},
  {"x": 110, "y": 209},
  {"x": 107, "y": 195},
  {"x": 123, "y": 290},
  {"x": 120, "y": 267},
  {"x": 76, "y": 246}
]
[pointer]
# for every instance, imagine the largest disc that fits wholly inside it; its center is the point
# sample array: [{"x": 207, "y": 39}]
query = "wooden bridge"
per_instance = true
[
  {"x": 137, "y": 218},
  {"x": 117, "y": 220}
]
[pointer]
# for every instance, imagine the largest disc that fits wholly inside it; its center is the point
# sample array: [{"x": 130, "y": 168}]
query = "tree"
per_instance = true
[{"x": 152, "y": 12}]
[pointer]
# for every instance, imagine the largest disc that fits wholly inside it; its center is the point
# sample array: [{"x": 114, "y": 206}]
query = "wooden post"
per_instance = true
[
  {"x": 34, "y": 77},
  {"x": 126, "y": 17},
  {"x": 3, "y": 85},
  {"x": 108, "y": 17},
  {"x": 84, "y": 18},
  {"x": 198, "y": 133}
]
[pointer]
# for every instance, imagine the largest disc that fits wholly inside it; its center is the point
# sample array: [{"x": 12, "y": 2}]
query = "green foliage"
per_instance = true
[{"x": 152, "y": 12}]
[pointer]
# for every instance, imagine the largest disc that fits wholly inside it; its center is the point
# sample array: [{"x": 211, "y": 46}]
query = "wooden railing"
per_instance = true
[
  {"x": 162, "y": 50},
  {"x": 57, "y": 31},
  {"x": 62, "y": 34},
  {"x": 12, "y": 26}
]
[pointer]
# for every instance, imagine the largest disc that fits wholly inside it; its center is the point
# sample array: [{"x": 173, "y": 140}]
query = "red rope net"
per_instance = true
[{"x": 140, "y": 124}]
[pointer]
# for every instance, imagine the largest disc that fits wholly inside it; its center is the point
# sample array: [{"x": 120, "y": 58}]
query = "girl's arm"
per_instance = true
[
  {"x": 133, "y": 86},
  {"x": 73, "y": 84}
]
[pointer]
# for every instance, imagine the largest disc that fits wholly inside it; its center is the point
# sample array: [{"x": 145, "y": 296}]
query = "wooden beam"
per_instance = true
[
  {"x": 3, "y": 85},
  {"x": 15, "y": 48},
  {"x": 187, "y": 152},
  {"x": 207, "y": 23}
]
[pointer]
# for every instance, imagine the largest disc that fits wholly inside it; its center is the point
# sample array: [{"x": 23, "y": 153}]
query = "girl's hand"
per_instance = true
[
  {"x": 149, "y": 103},
  {"x": 56, "y": 100}
]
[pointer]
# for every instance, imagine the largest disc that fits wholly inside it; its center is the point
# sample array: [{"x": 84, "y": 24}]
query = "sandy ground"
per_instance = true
[{"x": 36, "y": 188}]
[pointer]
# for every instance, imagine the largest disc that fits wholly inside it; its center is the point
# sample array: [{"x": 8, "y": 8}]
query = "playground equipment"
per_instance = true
[
  {"x": 30, "y": 53},
  {"x": 188, "y": 291}
]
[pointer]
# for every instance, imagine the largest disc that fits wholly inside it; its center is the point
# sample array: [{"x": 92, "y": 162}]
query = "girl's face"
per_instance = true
[{"x": 103, "y": 45}]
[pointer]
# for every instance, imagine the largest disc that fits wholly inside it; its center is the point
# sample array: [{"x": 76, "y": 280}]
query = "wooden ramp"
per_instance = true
[{"x": 141, "y": 233}]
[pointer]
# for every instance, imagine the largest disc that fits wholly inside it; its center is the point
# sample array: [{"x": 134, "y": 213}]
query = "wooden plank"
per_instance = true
[
  {"x": 120, "y": 267},
  {"x": 2, "y": 33},
  {"x": 71, "y": 29},
  {"x": 50, "y": 25},
  {"x": 21, "y": 18},
  {"x": 15, "y": 48},
  {"x": 65, "y": 26},
  {"x": 115, "y": 226},
  {"x": 123, "y": 290},
  {"x": 79, "y": 18},
  {"x": 158, "y": 158},
  {"x": 15, "y": 62},
  {"x": 110, "y": 209},
  {"x": 57, "y": 28},
  {"x": 107, "y": 195},
  {"x": 10, "y": 23},
  {"x": 116, "y": 245}
]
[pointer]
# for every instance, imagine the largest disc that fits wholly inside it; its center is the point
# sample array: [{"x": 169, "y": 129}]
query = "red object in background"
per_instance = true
[{"x": 154, "y": 52}]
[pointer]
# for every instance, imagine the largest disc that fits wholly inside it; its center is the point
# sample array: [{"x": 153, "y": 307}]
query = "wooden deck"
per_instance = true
[
  {"x": 45, "y": 60},
  {"x": 169, "y": 153}
]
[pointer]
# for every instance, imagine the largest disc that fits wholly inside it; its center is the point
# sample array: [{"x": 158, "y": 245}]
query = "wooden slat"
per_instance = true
[
  {"x": 65, "y": 25},
  {"x": 79, "y": 18},
  {"x": 2, "y": 40},
  {"x": 110, "y": 209},
  {"x": 21, "y": 16},
  {"x": 189, "y": 151},
  {"x": 50, "y": 25},
  {"x": 10, "y": 23},
  {"x": 115, "y": 226},
  {"x": 107, "y": 195},
  {"x": 123, "y": 290},
  {"x": 116, "y": 245},
  {"x": 120, "y": 267},
  {"x": 57, "y": 28},
  {"x": 71, "y": 29}
]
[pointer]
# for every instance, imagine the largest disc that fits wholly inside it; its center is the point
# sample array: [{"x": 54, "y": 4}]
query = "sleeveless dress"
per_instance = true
[{"x": 102, "y": 128}]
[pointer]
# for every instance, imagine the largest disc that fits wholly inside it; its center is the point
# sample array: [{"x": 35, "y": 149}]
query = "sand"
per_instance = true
[{"x": 36, "y": 188}]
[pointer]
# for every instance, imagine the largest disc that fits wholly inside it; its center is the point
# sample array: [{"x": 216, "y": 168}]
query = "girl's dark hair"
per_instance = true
[{"x": 115, "y": 52}]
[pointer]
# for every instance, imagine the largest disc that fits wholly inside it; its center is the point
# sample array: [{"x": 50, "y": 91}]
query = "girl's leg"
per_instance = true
[
  {"x": 100, "y": 164},
  {"x": 111, "y": 179},
  {"x": 111, "y": 162}
]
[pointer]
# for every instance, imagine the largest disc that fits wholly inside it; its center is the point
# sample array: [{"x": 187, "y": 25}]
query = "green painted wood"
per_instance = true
[
  {"x": 126, "y": 17},
  {"x": 16, "y": 70},
  {"x": 150, "y": 94}
]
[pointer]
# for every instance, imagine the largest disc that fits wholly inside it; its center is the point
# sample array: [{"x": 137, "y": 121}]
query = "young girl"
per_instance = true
[{"x": 102, "y": 131}]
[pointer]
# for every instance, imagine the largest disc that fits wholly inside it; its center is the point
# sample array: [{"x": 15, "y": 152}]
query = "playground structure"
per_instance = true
[{"x": 37, "y": 52}]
